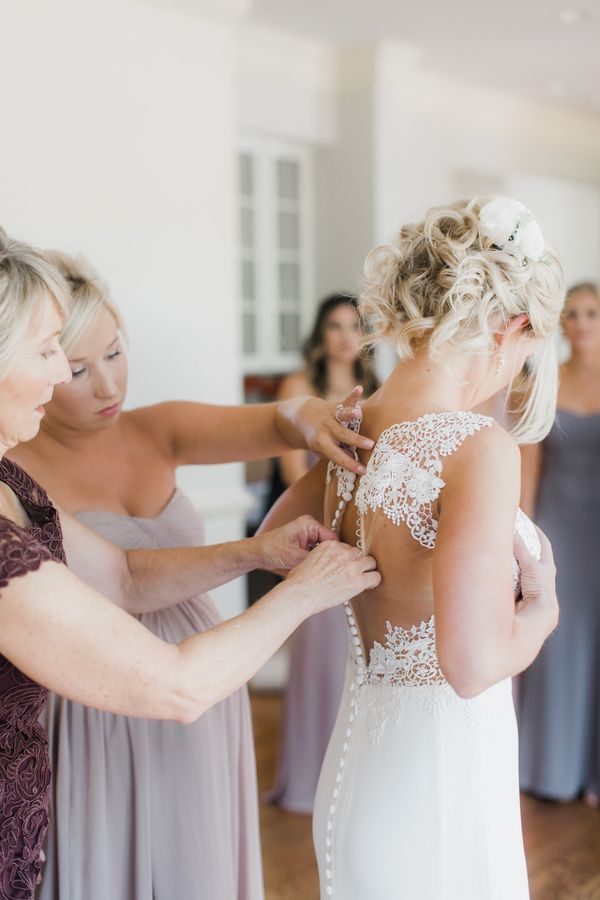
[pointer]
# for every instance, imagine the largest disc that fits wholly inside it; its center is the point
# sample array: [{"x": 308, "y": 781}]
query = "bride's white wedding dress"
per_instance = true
[{"x": 418, "y": 797}]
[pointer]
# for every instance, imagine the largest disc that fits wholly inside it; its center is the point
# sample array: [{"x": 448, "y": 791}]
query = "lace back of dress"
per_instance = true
[{"x": 404, "y": 474}]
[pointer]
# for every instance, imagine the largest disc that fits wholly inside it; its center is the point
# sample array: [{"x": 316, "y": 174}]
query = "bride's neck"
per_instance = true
[{"x": 423, "y": 385}]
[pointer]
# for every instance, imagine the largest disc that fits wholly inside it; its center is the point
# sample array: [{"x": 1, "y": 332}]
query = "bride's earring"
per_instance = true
[{"x": 500, "y": 362}]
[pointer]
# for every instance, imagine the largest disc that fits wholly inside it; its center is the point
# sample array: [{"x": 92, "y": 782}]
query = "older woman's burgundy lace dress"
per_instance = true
[{"x": 24, "y": 765}]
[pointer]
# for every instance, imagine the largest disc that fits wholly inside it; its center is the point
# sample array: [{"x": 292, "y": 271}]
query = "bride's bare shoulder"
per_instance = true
[{"x": 489, "y": 455}]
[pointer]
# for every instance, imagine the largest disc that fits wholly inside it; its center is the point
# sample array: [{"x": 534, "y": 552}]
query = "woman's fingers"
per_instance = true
[
  {"x": 340, "y": 457},
  {"x": 523, "y": 554},
  {"x": 354, "y": 396},
  {"x": 348, "y": 414},
  {"x": 368, "y": 563},
  {"x": 546, "y": 552}
]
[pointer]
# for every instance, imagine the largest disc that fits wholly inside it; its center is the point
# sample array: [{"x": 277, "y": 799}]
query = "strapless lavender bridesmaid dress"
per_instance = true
[{"x": 151, "y": 810}]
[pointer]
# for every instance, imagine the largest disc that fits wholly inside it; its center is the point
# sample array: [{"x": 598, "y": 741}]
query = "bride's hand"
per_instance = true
[
  {"x": 538, "y": 579},
  {"x": 331, "y": 574},
  {"x": 321, "y": 427}
]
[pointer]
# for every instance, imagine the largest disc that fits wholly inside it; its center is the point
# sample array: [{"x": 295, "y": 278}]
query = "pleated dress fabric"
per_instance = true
[
  {"x": 559, "y": 695},
  {"x": 152, "y": 810}
]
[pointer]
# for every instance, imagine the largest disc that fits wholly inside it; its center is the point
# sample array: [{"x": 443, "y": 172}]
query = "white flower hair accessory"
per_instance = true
[{"x": 510, "y": 227}]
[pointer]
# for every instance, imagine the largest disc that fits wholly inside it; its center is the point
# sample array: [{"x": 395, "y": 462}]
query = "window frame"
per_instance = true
[{"x": 266, "y": 253}]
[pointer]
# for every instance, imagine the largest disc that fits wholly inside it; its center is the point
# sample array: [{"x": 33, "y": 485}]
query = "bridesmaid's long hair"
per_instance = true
[{"x": 314, "y": 349}]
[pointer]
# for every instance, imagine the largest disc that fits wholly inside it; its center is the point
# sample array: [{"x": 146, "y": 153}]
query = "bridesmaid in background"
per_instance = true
[
  {"x": 319, "y": 648},
  {"x": 559, "y": 705}
]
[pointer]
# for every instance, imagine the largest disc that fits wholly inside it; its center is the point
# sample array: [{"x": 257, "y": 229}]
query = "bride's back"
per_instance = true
[{"x": 392, "y": 511}]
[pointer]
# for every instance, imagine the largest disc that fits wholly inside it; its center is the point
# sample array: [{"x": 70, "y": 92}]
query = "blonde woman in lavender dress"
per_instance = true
[
  {"x": 419, "y": 794},
  {"x": 142, "y": 810}
]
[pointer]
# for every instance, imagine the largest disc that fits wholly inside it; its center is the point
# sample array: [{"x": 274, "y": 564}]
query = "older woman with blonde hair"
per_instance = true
[
  {"x": 60, "y": 633},
  {"x": 419, "y": 793}
]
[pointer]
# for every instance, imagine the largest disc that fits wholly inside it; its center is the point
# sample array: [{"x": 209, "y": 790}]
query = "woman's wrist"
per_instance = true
[
  {"x": 294, "y": 598},
  {"x": 288, "y": 423}
]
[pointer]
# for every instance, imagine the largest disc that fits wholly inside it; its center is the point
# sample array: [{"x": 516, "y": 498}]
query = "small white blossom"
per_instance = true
[{"x": 510, "y": 226}]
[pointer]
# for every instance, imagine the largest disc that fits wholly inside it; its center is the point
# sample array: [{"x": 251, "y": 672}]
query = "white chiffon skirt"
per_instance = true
[{"x": 418, "y": 797}]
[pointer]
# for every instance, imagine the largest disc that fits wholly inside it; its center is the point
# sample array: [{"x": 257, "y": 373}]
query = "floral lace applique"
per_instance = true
[
  {"x": 403, "y": 475},
  {"x": 408, "y": 657},
  {"x": 403, "y": 673}
]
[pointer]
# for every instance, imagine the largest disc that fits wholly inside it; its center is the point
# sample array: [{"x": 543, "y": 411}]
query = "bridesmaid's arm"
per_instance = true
[
  {"x": 148, "y": 580},
  {"x": 295, "y": 464},
  {"x": 198, "y": 433},
  {"x": 531, "y": 467}
]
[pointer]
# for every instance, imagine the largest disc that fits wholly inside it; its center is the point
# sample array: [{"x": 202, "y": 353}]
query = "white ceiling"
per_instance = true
[{"x": 518, "y": 45}]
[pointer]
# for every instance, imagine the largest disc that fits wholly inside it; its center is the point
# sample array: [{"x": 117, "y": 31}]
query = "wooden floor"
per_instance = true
[{"x": 562, "y": 842}]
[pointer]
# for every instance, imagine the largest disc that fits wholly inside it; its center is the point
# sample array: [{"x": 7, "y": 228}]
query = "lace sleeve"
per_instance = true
[
  {"x": 404, "y": 472},
  {"x": 20, "y": 552}
]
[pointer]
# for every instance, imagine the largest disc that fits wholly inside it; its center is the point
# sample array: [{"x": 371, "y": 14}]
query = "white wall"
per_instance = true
[
  {"x": 118, "y": 128},
  {"x": 420, "y": 139},
  {"x": 286, "y": 86}
]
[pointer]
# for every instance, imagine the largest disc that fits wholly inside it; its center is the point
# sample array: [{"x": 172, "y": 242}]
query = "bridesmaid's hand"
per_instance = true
[
  {"x": 538, "y": 579},
  {"x": 323, "y": 427},
  {"x": 333, "y": 573},
  {"x": 283, "y": 548}
]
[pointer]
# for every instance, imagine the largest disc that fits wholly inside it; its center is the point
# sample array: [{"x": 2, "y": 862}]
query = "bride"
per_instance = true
[{"x": 418, "y": 796}]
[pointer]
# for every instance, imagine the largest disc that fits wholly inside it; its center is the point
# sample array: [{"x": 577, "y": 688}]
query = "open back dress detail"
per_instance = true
[{"x": 418, "y": 796}]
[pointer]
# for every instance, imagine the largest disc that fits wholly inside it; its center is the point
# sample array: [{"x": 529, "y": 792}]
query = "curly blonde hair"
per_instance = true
[
  {"x": 443, "y": 286},
  {"x": 89, "y": 295}
]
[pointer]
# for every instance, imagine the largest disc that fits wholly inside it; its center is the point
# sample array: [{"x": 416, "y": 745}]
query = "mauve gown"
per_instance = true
[
  {"x": 318, "y": 655},
  {"x": 559, "y": 703},
  {"x": 152, "y": 810}
]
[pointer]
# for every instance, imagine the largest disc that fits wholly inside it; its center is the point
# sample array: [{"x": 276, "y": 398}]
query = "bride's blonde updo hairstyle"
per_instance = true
[
  {"x": 89, "y": 295},
  {"x": 27, "y": 282},
  {"x": 445, "y": 287}
]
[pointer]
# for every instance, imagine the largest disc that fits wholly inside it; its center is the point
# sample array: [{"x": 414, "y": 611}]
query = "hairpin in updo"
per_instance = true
[{"x": 509, "y": 226}]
